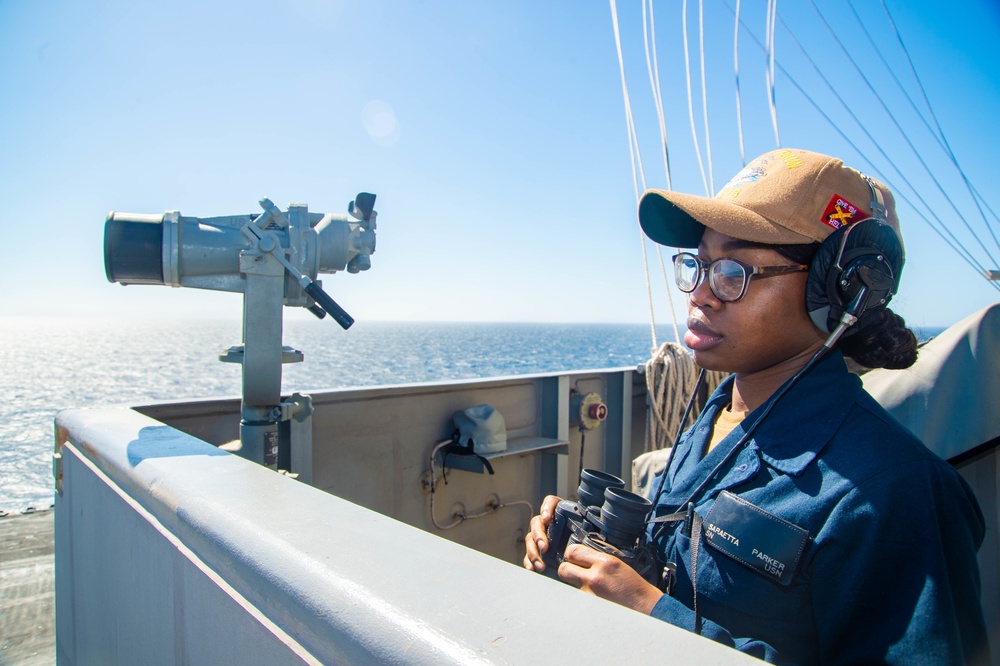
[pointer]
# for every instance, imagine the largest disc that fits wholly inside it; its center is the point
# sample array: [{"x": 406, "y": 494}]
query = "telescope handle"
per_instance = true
[{"x": 338, "y": 313}]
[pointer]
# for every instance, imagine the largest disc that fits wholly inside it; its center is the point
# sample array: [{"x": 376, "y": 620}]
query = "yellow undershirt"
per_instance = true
[{"x": 725, "y": 422}]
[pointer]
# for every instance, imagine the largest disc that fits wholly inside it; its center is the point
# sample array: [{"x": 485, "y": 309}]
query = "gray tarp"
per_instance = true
[{"x": 949, "y": 398}]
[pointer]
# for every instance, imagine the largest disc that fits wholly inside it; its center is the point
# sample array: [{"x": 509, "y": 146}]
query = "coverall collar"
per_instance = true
[{"x": 832, "y": 390}]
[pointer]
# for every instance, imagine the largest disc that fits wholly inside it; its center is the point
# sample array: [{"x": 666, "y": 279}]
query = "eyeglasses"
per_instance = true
[{"x": 728, "y": 278}]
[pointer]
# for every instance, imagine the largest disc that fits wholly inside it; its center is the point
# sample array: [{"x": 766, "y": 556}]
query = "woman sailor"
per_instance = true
[{"x": 804, "y": 524}]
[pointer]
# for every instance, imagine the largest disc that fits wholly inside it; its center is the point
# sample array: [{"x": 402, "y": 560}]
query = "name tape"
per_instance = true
[{"x": 767, "y": 544}]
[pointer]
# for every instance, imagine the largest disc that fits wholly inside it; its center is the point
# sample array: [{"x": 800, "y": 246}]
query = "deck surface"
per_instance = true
[{"x": 27, "y": 589}]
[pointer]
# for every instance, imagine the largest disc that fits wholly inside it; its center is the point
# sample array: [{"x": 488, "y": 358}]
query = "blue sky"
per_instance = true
[{"x": 493, "y": 134}]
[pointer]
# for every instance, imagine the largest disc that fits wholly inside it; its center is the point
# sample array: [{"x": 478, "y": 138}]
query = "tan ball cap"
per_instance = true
[{"x": 783, "y": 197}]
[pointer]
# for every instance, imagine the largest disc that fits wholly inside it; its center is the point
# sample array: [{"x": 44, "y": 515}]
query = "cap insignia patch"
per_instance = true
[{"x": 840, "y": 212}]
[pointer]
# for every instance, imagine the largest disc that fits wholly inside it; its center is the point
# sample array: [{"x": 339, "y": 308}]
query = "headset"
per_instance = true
[{"x": 855, "y": 273}]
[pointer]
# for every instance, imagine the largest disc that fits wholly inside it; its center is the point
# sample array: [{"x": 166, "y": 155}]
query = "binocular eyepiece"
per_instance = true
[{"x": 607, "y": 518}]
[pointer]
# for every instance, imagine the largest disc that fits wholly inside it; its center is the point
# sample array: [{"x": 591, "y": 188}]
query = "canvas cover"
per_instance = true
[{"x": 949, "y": 398}]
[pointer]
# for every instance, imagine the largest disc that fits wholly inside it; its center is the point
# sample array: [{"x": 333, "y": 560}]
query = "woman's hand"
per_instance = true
[
  {"x": 594, "y": 572},
  {"x": 608, "y": 577},
  {"x": 536, "y": 541}
]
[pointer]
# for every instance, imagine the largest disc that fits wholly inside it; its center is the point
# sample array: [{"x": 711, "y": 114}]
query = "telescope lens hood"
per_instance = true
[{"x": 133, "y": 249}]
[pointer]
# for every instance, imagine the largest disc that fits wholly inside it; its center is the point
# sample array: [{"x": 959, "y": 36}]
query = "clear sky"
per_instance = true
[{"x": 493, "y": 134}]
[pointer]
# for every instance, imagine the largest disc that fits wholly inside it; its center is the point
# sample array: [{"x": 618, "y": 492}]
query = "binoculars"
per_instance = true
[{"x": 608, "y": 519}]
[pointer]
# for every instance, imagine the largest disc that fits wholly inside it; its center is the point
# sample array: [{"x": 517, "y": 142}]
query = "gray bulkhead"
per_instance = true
[{"x": 170, "y": 550}]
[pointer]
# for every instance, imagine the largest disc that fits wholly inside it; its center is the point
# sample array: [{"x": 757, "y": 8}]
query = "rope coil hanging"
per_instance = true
[{"x": 671, "y": 375}]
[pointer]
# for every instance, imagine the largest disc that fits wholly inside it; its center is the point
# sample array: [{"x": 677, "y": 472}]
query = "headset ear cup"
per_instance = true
[
  {"x": 819, "y": 301},
  {"x": 870, "y": 255}
]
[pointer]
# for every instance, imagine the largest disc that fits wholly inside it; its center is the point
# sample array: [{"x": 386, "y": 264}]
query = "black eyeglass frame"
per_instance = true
[{"x": 749, "y": 271}]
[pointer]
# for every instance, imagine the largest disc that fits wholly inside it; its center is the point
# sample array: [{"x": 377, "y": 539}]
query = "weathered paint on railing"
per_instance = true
[{"x": 169, "y": 550}]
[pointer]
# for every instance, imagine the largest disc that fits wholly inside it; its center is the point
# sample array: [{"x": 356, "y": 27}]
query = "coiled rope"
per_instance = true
[{"x": 671, "y": 375}]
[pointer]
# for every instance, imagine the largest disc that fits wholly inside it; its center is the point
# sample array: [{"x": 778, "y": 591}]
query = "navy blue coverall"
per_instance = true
[{"x": 888, "y": 571}]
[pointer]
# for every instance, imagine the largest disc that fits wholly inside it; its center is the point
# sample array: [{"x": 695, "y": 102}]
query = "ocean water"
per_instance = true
[{"x": 51, "y": 364}]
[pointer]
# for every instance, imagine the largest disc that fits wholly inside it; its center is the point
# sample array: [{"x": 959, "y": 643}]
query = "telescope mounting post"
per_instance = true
[
  {"x": 273, "y": 259},
  {"x": 263, "y": 415},
  {"x": 262, "y": 330}
]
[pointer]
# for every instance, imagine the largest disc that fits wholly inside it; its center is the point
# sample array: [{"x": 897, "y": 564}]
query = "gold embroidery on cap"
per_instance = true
[{"x": 791, "y": 159}]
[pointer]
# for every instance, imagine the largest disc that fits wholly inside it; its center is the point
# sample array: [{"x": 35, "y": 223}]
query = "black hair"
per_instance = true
[{"x": 885, "y": 342}]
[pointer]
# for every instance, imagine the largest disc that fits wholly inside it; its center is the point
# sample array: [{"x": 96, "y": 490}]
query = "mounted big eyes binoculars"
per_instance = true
[
  {"x": 220, "y": 253},
  {"x": 272, "y": 259}
]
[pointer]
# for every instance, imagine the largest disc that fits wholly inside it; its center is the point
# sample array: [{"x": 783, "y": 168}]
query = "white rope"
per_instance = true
[
  {"x": 736, "y": 68},
  {"x": 670, "y": 299},
  {"x": 652, "y": 66},
  {"x": 636, "y": 160},
  {"x": 772, "y": 12},
  {"x": 704, "y": 97},
  {"x": 687, "y": 74}
]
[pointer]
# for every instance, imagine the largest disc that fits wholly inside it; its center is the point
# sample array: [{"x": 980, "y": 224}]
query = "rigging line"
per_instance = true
[
  {"x": 687, "y": 73},
  {"x": 992, "y": 283},
  {"x": 983, "y": 200},
  {"x": 633, "y": 145},
  {"x": 704, "y": 96},
  {"x": 938, "y": 134},
  {"x": 772, "y": 12},
  {"x": 964, "y": 251},
  {"x": 736, "y": 69},
  {"x": 892, "y": 73},
  {"x": 637, "y": 164},
  {"x": 960, "y": 250},
  {"x": 659, "y": 94},
  {"x": 975, "y": 194},
  {"x": 652, "y": 67},
  {"x": 670, "y": 297},
  {"x": 767, "y": 40},
  {"x": 649, "y": 289},
  {"x": 906, "y": 138},
  {"x": 640, "y": 186},
  {"x": 654, "y": 81},
  {"x": 633, "y": 148}
]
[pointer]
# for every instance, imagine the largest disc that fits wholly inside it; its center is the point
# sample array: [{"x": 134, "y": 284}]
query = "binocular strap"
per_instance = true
[
  {"x": 692, "y": 526},
  {"x": 695, "y": 544}
]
